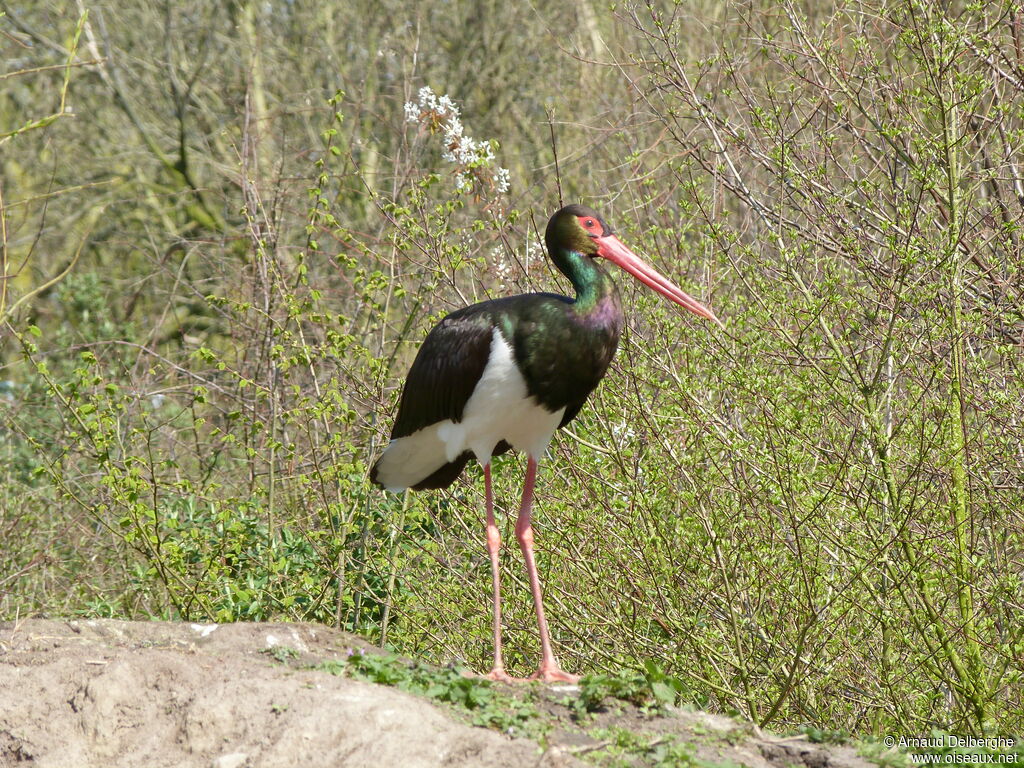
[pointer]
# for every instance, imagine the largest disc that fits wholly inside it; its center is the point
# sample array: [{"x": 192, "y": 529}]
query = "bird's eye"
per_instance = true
[{"x": 590, "y": 223}]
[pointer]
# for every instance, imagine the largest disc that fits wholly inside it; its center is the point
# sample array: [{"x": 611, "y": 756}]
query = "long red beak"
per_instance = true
[{"x": 613, "y": 249}]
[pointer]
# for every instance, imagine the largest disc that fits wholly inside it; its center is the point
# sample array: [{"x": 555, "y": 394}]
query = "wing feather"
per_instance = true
[
  {"x": 445, "y": 372},
  {"x": 447, "y": 368}
]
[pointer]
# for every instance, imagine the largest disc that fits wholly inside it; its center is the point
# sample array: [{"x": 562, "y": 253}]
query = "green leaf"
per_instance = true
[{"x": 663, "y": 692}]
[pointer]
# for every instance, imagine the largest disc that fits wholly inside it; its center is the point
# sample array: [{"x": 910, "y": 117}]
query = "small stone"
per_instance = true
[{"x": 231, "y": 760}]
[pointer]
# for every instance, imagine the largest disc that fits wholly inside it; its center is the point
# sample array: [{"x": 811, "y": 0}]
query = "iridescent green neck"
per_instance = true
[{"x": 591, "y": 282}]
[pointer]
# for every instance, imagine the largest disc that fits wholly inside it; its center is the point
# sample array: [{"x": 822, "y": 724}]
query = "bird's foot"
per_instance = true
[
  {"x": 499, "y": 675},
  {"x": 552, "y": 673}
]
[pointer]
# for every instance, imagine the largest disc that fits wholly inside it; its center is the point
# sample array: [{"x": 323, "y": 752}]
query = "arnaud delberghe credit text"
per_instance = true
[{"x": 951, "y": 741}]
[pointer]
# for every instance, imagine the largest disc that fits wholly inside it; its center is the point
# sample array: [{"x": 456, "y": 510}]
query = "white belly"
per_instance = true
[{"x": 499, "y": 409}]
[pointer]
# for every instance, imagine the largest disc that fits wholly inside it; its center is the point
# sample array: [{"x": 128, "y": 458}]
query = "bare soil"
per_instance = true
[{"x": 116, "y": 693}]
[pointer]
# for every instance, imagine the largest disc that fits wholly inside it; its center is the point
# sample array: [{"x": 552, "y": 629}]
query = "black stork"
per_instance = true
[{"x": 505, "y": 374}]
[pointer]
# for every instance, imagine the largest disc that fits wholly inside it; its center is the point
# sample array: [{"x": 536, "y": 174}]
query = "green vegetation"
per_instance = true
[
  {"x": 489, "y": 708},
  {"x": 626, "y": 748},
  {"x": 651, "y": 690},
  {"x": 223, "y": 235}
]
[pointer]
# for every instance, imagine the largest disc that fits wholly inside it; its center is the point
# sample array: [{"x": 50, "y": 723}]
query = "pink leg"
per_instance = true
[
  {"x": 493, "y": 545},
  {"x": 549, "y": 670}
]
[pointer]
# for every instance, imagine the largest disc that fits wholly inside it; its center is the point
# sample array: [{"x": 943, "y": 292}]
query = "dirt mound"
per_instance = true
[{"x": 115, "y": 693}]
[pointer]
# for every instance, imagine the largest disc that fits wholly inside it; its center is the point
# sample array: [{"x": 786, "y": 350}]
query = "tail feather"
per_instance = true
[
  {"x": 387, "y": 476},
  {"x": 446, "y": 475},
  {"x": 420, "y": 461},
  {"x": 411, "y": 460}
]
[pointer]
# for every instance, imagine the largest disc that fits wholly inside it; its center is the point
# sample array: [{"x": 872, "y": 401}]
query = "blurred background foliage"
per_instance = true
[{"x": 223, "y": 239}]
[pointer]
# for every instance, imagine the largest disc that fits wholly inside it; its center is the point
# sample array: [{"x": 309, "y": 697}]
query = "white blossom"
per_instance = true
[
  {"x": 502, "y": 268},
  {"x": 475, "y": 159},
  {"x": 622, "y": 433},
  {"x": 501, "y": 180},
  {"x": 453, "y": 128},
  {"x": 446, "y": 105},
  {"x": 427, "y": 98}
]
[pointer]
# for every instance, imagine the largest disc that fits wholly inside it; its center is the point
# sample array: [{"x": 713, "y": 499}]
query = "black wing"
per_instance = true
[
  {"x": 444, "y": 374},
  {"x": 446, "y": 371},
  {"x": 572, "y": 411}
]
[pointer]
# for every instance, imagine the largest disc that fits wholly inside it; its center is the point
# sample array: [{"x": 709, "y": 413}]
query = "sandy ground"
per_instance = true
[
  {"x": 113, "y": 693},
  {"x": 107, "y": 693}
]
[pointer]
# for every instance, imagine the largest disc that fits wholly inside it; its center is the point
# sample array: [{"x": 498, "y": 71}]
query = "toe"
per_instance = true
[
  {"x": 501, "y": 676},
  {"x": 554, "y": 674}
]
